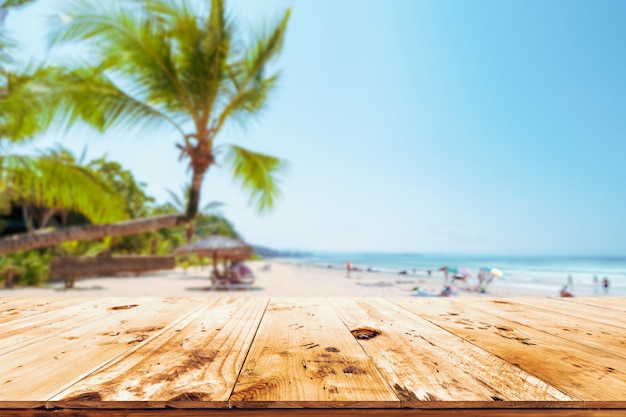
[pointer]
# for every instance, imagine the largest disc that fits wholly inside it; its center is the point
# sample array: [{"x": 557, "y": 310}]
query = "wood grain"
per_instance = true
[
  {"x": 22, "y": 332},
  {"x": 336, "y": 412},
  {"x": 600, "y": 315},
  {"x": 466, "y": 357},
  {"x": 193, "y": 364},
  {"x": 432, "y": 368},
  {"x": 29, "y": 377},
  {"x": 12, "y": 308},
  {"x": 600, "y": 336},
  {"x": 304, "y": 356},
  {"x": 595, "y": 376},
  {"x": 614, "y": 303}
]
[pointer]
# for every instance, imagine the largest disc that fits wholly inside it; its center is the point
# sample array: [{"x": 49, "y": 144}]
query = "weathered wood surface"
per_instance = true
[
  {"x": 316, "y": 412},
  {"x": 430, "y": 367},
  {"x": 15, "y": 308},
  {"x": 617, "y": 303},
  {"x": 578, "y": 310},
  {"x": 31, "y": 375},
  {"x": 467, "y": 356},
  {"x": 193, "y": 364},
  {"x": 598, "y": 377},
  {"x": 29, "y": 329},
  {"x": 303, "y": 356},
  {"x": 558, "y": 323}
]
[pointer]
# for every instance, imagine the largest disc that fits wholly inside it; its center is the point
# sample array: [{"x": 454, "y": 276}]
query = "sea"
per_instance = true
[{"x": 582, "y": 274}]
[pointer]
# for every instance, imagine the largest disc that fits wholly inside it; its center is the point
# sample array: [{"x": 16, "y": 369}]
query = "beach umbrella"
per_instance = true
[
  {"x": 217, "y": 247},
  {"x": 457, "y": 270},
  {"x": 464, "y": 271},
  {"x": 496, "y": 272}
]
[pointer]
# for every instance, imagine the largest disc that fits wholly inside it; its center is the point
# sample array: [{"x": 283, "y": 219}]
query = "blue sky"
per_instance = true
[{"x": 421, "y": 126}]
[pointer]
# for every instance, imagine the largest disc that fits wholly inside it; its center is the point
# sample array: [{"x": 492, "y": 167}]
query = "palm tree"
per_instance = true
[
  {"x": 48, "y": 184},
  {"x": 21, "y": 112},
  {"x": 206, "y": 217},
  {"x": 53, "y": 184},
  {"x": 167, "y": 63}
]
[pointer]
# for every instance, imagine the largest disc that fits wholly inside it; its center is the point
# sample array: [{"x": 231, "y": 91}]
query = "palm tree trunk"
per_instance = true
[
  {"x": 44, "y": 238},
  {"x": 194, "y": 194}
]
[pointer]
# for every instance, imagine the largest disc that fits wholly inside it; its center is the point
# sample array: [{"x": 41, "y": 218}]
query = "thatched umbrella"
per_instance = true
[{"x": 217, "y": 247}]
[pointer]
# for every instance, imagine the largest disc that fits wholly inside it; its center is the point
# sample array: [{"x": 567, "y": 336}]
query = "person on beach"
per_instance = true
[
  {"x": 565, "y": 292},
  {"x": 570, "y": 281},
  {"x": 605, "y": 285},
  {"x": 446, "y": 292},
  {"x": 348, "y": 268}
]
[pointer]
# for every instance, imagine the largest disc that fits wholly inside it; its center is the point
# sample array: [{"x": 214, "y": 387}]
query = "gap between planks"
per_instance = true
[
  {"x": 573, "y": 368},
  {"x": 429, "y": 367},
  {"x": 193, "y": 364}
]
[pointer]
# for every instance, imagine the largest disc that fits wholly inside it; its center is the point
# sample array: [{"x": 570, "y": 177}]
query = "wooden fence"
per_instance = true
[{"x": 71, "y": 268}]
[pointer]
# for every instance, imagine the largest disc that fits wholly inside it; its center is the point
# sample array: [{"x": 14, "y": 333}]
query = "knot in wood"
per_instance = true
[{"x": 365, "y": 333}]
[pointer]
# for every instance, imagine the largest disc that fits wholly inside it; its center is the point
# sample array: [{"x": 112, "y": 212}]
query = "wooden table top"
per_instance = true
[{"x": 233, "y": 354}]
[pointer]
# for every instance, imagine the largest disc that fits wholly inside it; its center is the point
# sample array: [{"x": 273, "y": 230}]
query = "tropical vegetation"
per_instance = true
[
  {"x": 166, "y": 63},
  {"x": 147, "y": 64}
]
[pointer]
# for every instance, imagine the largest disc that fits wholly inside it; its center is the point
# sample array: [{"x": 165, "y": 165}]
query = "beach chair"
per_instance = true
[
  {"x": 230, "y": 282},
  {"x": 218, "y": 282}
]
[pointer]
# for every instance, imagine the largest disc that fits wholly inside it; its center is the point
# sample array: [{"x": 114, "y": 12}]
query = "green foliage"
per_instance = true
[
  {"x": 88, "y": 248},
  {"x": 14, "y": 3},
  {"x": 27, "y": 104},
  {"x": 123, "y": 182},
  {"x": 148, "y": 63},
  {"x": 60, "y": 184},
  {"x": 177, "y": 62},
  {"x": 258, "y": 174},
  {"x": 30, "y": 268},
  {"x": 207, "y": 224}
]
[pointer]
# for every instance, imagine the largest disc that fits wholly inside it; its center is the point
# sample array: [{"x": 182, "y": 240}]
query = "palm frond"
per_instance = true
[
  {"x": 258, "y": 174},
  {"x": 58, "y": 184},
  {"x": 175, "y": 200},
  {"x": 249, "y": 87},
  {"x": 41, "y": 96},
  {"x": 200, "y": 43},
  {"x": 212, "y": 207},
  {"x": 133, "y": 43},
  {"x": 91, "y": 96},
  {"x": 23, "y": 108},
  {"x": 14, "y": 3}
]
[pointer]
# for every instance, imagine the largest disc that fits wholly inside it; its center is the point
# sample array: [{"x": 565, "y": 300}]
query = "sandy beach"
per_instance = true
[{"x": 273, "y": 278}]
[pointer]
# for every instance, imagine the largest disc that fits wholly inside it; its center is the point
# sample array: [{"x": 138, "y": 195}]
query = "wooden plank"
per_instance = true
[
  {"x": 29, "y": 377},
  {"x": 193, "y": 364},
  {"x": 12, "y": 308},
  {"x": 614, "y": 303},
  {"x": 337, "y": 412},
  {"x": 597, "y": 314},
  {"x": 596, "y": 377},
  {"x": 304, "y": 356},
  {"x": 589, "y": 333},
  {"x": 432, "y": 368},
  {"x": 20, "y": 333},
  {"x": 88, "y": 266}
]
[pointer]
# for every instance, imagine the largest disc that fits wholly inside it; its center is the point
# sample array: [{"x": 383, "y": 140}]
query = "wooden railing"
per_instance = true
[{"x": 75, "y": 267}]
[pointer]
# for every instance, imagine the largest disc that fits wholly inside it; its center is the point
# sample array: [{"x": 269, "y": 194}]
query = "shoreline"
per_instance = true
[{"x": 278, "y": 279}]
